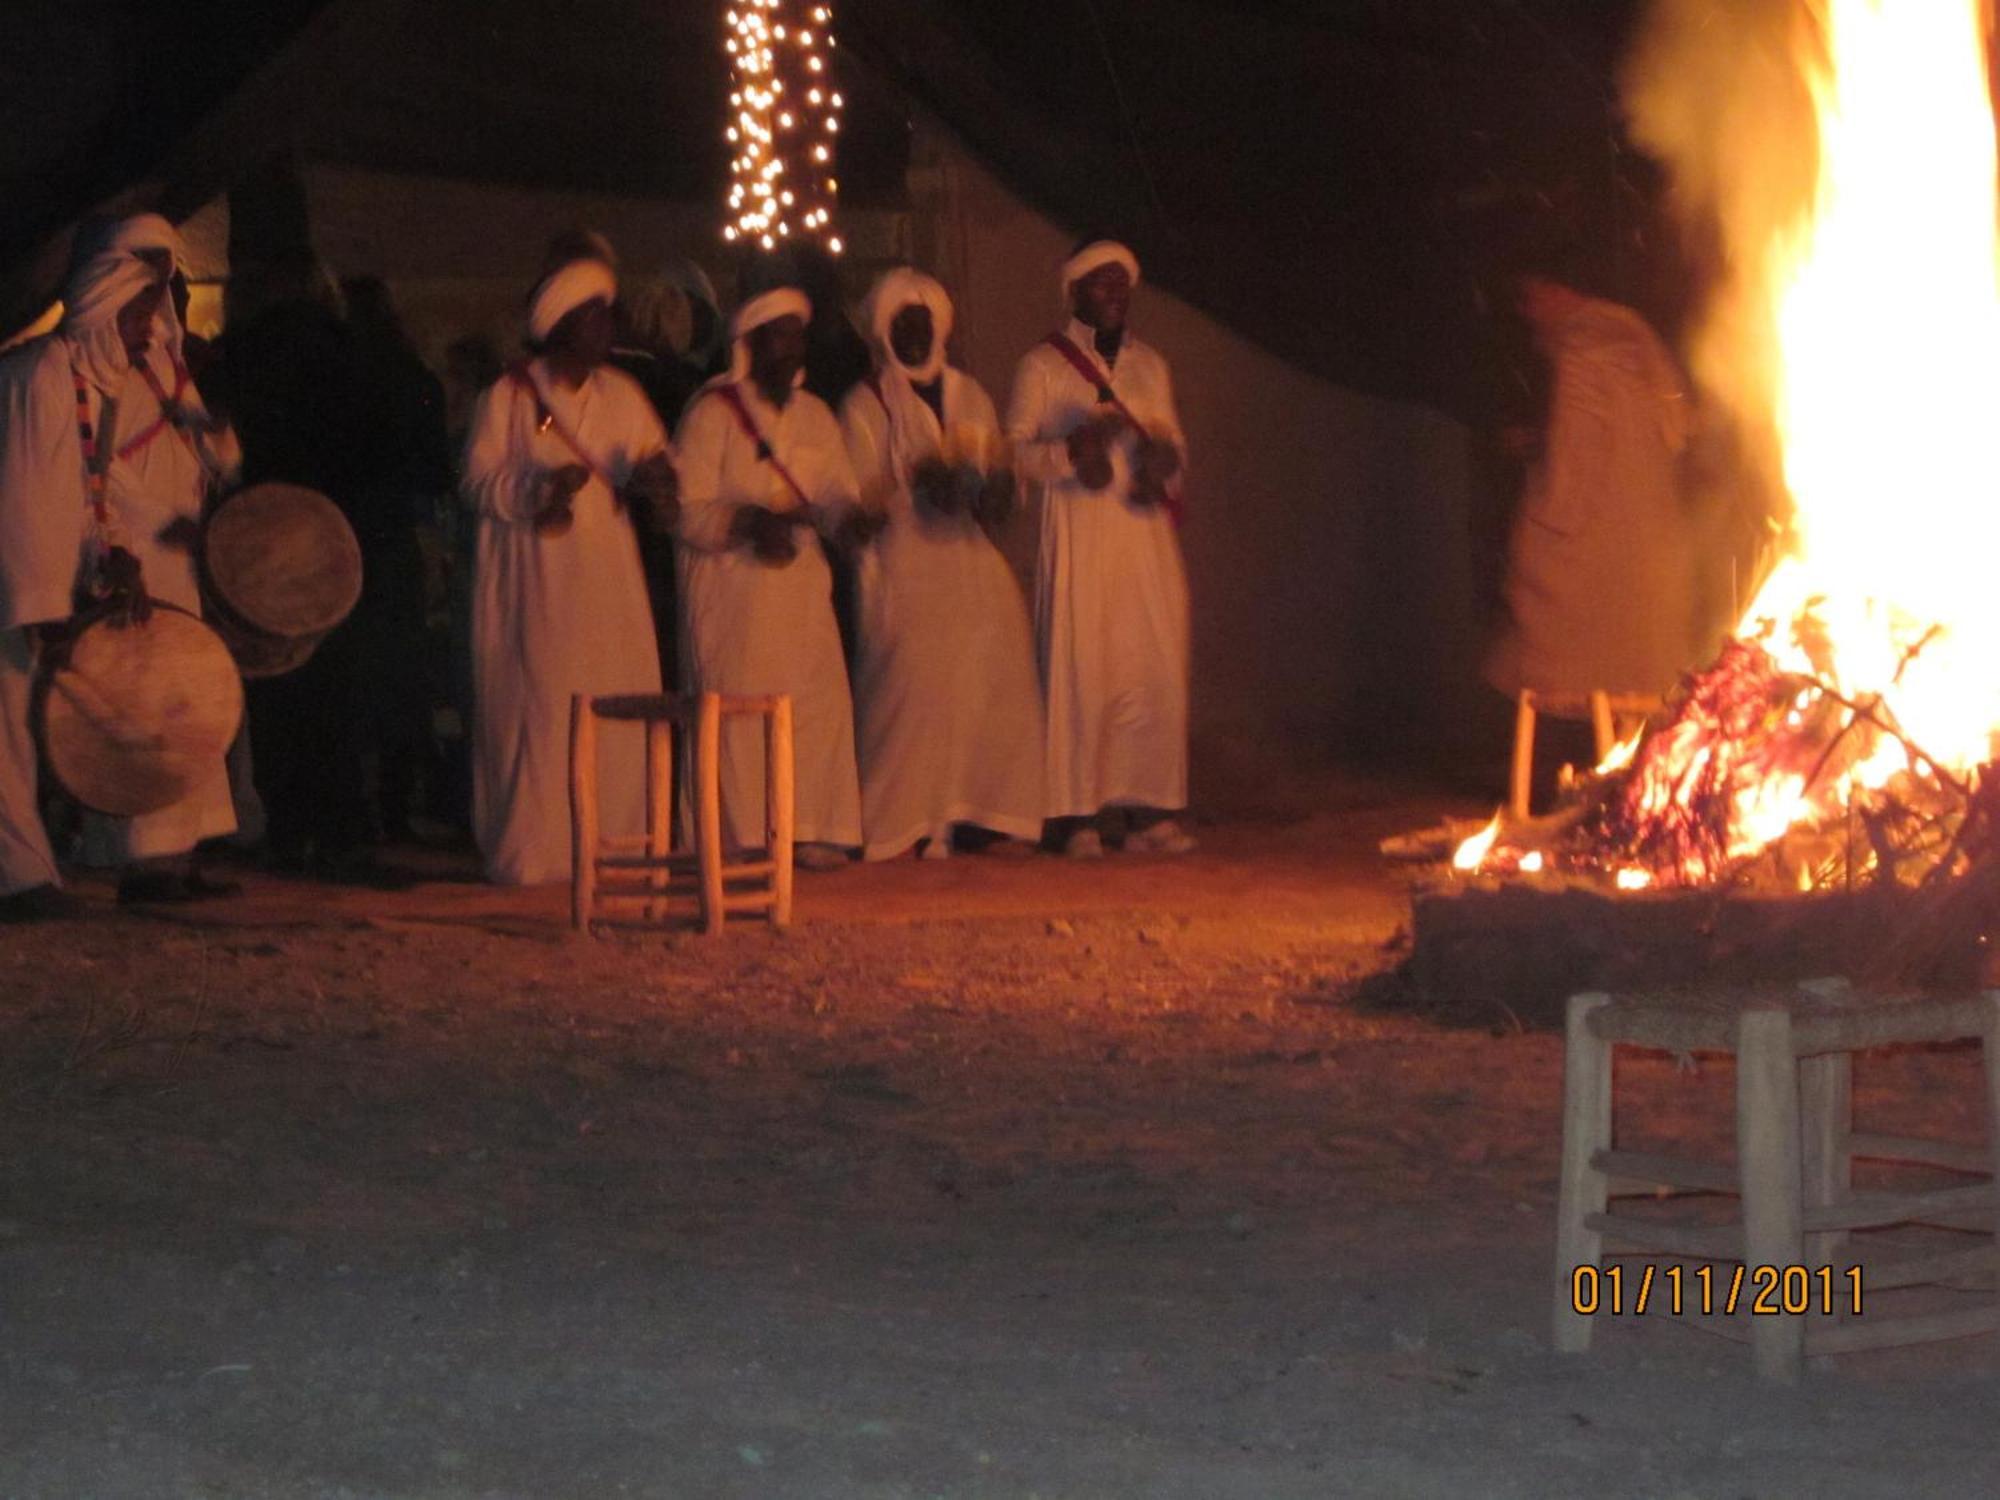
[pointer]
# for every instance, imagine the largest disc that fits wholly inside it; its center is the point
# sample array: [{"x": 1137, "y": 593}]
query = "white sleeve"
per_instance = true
[
  {"x": 703, "y": 441},
  {"x": 43, "y": 505},
  {"x": 834, "y": 490},
  {"x": 1041, "y": 455},
  {"x": 864, "y": 426},
  {"x": 499, "y": 481},
  {"x": 641, "y": 433}
]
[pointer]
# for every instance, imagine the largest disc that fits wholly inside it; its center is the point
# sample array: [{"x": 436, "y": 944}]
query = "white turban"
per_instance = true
[
  {"x": 136, "y": 235},
  {"x": 898, "y": 288},
  {"x": 97, "y": 291},
  {"x": 1097, "y": 253},
  {"x": 564, "y": 290},
  {"x": 779, "y": 302}
]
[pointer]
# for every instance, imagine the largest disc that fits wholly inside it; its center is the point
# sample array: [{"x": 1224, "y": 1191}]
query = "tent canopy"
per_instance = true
[{"x": 1317, "y": 175}]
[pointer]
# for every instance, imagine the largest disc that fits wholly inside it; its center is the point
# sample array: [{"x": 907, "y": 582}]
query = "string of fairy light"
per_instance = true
[{"x": 784, "y": 118}]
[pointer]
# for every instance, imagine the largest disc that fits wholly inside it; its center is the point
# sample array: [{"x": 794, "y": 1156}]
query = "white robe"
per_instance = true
[
  {"x": 45, "y": 523},
  {"x": 950, "y": 711},
  {"x": 751, "y": 627},
  {"x": 553, "y": 616},
  {"x": 1111, "y": 597},
  {"x": 1600, "y": 581},
  {"x": 41, "y": 548}
]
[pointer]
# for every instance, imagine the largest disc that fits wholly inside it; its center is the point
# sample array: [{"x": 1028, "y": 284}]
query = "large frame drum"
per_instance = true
[
  {"x": 137, "y": 716},
  {"x": 280, "y": 569}
]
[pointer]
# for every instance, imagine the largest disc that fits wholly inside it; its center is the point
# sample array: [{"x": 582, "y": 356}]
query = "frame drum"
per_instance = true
[
  {"x": 138, "y": 715},
  {"x": 280, "y": 569}
]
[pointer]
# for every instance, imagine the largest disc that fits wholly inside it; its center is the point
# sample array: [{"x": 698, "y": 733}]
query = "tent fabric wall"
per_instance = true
[
  {"x": 1328, "y": 536},
  {"x": 1295, "y": 176}
]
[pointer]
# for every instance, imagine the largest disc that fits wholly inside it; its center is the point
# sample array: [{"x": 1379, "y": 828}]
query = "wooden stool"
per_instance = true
[
  {"x": 645, "y": 869},
  {"x": 1605, "y": 710},
  {"x": 1795, "y": 1146}
]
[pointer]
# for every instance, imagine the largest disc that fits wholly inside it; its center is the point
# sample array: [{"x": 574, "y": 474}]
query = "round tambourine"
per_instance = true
[{"x": 137, "y": 716}]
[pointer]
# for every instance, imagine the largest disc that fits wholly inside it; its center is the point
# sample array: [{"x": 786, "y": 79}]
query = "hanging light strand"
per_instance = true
[{"x": 784, "y": 118}]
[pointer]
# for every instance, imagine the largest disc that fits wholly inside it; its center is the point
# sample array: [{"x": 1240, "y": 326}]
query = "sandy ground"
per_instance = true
[{"x": 993, "y": 1179}]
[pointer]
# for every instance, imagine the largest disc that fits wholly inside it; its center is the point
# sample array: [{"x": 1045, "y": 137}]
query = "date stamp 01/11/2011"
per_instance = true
[{"x": 1703, "y": 1291}]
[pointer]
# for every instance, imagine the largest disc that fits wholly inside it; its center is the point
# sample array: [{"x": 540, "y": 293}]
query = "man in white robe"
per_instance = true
[
  {"x": 764, "y": 475},
  {"x": 949, "y": 706},
  {"x": 1600, "y": 577},
  {"x": 561, "y": 449},
  {"x": 115, "y": 364},
  {"x": 1092, "y": 420}
]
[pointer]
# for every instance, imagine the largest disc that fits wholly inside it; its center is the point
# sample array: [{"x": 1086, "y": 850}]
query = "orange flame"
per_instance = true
[
  {"x": 1887, "y": 307},
  {"x": 1472, "y": 853},
  {"x": 1882, "y": 304}
]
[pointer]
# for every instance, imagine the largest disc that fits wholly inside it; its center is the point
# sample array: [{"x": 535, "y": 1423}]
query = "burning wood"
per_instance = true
[
  {"x": 1756, "y": 779},
  {"x": 1845, "y": 735}
]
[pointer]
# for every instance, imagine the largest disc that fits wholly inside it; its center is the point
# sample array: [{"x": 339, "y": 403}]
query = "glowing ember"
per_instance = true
[
  {"x": 1473, "y": 851},
  {"x": 1864, "y": 683}
]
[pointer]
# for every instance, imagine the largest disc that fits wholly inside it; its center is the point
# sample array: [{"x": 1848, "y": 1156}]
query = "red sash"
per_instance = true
[
  {"x": 168, "y": 405},
  {"x": 546, "y": 419},
  {"x": 1170, "y": 502},
  {"x": 748, "y": 423}
]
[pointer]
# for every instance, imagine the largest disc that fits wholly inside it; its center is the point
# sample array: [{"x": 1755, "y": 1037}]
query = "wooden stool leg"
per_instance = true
[
  {"x": 708, "y": 826},
  {"x": 1771, "y": 1176},
  {"x": 1600, "y": 724},
  {"x": 582, "y": 811},
  {"x": 1990, "y": 1045},
  {"x": 1826, "y": 1106},
  {"x": 659, "y": 810},
  {"x": 779, "y": 800},
  {"x": 1584, "y": 1189},
  {"x": 1524, "y": 755}
]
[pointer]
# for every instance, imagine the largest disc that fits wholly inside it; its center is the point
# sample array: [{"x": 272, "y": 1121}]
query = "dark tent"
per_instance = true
[
  {"x": 1315, "y": 186},
  {"x": 1313, "y": 174}
]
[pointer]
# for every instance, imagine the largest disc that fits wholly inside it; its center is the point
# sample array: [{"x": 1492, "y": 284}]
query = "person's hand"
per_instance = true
[
  {"x": 53, "y": 640},
  {"x": 653, "y": 493},
  {"x": 1156, "y": 462},
  {"x": 556, "y": 517},
  {"x": 997, "y": 498},
  {"x": 183, "y": 533},
  {"x": 1090, "y": 454},
  {"x": 566, "y": 481},
  {"x": 967, "y": 482},
  {"x": 557, "y": 512},
  {"x": 931, "y": 486},
  {"x": 121, "y": 581},
  {"x": 857, "y": 527},
  {"x": 767, "y": 533}
]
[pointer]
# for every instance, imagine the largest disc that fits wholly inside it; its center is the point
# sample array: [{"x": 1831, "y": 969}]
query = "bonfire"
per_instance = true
[{"x": 1846, "y": 733}]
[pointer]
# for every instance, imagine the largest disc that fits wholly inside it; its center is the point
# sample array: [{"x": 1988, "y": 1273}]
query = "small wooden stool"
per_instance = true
[
  {"x": 645, "y": 869},
  {"x": 1606, "y": 709},
  {"x": 1795, "y": 1146}
]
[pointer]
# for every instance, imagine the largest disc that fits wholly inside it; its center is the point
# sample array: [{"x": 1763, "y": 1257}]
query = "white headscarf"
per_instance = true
[
  {"x": 695, "y": 285},
  {"x": 564, "y": 290},
  {"x": 779, "y": 302},
  {"x": 898, "y": 288},
  {"x": 97, "y": 291},
  {"x": 657, "y": 318},
  {"x": 133, "y": 235},
  {"x": 1097, "y": 253}
]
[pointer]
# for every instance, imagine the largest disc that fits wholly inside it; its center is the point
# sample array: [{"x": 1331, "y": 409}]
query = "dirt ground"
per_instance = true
[{"x": 990, "y": 1179}]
